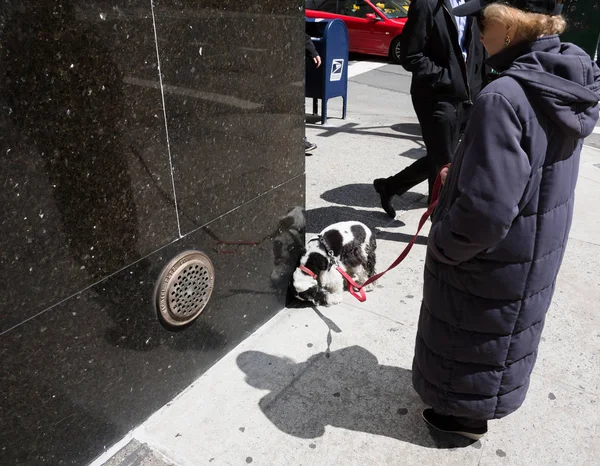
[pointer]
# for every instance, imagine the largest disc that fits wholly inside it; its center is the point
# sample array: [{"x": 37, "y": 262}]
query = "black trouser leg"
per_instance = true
[
  {"x": 439, "y": 127},
  {"x": 415, "y": 173}
]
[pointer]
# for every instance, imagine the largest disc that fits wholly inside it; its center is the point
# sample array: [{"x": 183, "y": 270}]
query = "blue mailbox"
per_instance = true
[{"x": 331, "y": 78}]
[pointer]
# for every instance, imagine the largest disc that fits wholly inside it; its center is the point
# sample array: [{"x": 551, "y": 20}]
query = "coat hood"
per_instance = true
[{"x": 560, "y": 79}]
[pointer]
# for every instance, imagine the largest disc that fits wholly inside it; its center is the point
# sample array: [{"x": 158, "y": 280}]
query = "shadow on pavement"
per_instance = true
[
  {"x": 413, "y": 129},
  {"x": 356, "y": 194},
  {"x": 314, "y": 119},
  {"x": 364, "y": 195},
  {"x": 348, "y": 390},
  {"x": 355, "y": 128},
  {"x": 321, "y": 217},
  {"x": 400, "y": 238},
  {"x": 415, "y": 153}
]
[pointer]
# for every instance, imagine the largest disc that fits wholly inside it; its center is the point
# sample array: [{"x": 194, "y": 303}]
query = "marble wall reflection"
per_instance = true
[{"x": 112, "y": 165}]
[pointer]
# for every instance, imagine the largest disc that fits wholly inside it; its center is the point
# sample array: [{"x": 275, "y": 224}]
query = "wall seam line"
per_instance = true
[{"x": 162, "y": 94}]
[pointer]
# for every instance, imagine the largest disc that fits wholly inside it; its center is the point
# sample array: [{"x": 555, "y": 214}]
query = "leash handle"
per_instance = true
[{"x": 435, "y": 196}]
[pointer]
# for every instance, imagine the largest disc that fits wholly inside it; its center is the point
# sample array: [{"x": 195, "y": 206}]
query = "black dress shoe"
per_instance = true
[
  {"x": 453, "y": 425},
  {"x": 386, "y": 197}
]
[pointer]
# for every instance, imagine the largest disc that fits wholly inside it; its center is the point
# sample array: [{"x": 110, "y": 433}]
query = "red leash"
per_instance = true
[{"x": 358, "y": 290}]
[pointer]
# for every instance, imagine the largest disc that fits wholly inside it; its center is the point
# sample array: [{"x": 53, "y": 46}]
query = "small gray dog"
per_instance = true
[{"x": 351, "y": 245}]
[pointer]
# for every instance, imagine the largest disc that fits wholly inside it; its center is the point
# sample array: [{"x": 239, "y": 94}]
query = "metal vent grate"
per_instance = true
[{"x": 184, "y": 288}]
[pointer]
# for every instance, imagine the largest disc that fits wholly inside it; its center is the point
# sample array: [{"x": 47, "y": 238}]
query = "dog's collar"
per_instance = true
[
  {"x": 307, "y": 271},
  {"x": 330, "y": 254},
  {"x": 328, "y": 250}
]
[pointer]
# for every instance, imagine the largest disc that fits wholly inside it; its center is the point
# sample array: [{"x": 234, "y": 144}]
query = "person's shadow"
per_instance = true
[
  {"x": 348, "y": 389},
  {"x": 364, "y": 195}
]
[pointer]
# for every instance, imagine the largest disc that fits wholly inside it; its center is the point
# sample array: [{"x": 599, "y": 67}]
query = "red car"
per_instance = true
[{"x": 374, "y": 27}]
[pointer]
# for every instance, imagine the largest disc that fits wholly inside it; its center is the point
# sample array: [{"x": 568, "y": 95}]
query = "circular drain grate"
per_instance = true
[{"x": 184, "y": 288}]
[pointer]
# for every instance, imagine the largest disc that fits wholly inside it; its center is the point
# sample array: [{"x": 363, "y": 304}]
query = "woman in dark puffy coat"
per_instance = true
[{"x": 499, "y": 233}]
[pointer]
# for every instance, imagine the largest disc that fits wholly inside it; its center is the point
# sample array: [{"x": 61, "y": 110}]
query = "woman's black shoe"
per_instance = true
[
  {"x": 453, "y": 425},
  {"x": 380, "y": 186}
]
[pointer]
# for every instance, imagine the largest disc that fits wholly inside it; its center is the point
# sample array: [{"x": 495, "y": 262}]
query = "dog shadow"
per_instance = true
[{"x": 350, "y": 389}]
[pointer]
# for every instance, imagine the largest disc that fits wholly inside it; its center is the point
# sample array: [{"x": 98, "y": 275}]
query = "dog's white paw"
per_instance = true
[{"x": 369, "y": 287}]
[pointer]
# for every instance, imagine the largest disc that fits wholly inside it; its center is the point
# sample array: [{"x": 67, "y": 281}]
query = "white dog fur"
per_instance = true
[{"x": 353, "y": 247}]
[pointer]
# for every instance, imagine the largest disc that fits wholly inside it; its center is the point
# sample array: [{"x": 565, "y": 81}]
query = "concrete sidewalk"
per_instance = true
[{"x": 332, "y": 386}]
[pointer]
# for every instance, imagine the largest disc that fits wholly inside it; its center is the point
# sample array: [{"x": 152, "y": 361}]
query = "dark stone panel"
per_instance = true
[
  {"x": 86, "y": 181},
  {"x": 583, "y": 18},
  {"x": 232, "y": 73},
  {"x": 75, "y": 379}
]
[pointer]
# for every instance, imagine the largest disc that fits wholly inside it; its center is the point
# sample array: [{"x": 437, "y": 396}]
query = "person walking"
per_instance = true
[
  {"x": 500, "y": 229},
  {"x": 311, "y": 52},
  {"x": 447, "y": 62}
]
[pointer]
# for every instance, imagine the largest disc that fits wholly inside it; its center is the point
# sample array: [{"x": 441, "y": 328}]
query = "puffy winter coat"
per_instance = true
[{"x": 500, "y": 231}]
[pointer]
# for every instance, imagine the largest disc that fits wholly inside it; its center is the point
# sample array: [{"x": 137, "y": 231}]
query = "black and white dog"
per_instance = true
[{"x": 351, "y": 245}]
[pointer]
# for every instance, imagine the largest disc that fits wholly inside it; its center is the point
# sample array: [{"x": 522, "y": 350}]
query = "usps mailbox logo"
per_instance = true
[{"x": 337, "y": 68}]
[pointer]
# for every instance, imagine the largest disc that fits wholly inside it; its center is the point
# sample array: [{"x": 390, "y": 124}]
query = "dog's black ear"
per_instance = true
[
  {"x": 317, "y": 262},
  {"x": 335, "y": 240},
  {"x": 359, "y": 233}
]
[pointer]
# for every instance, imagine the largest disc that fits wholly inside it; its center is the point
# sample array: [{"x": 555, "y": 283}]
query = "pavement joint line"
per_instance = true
[
  {"x": 370, "y": 311},
  {"x": 565, "y": 384},
  {"x": 596, "y": 130},
  {"x": 589, "y": 179},
  {"x": 589, "y": 146},
  {"x": 591, "y": 243},
  {"x": 406, "y": 74}
]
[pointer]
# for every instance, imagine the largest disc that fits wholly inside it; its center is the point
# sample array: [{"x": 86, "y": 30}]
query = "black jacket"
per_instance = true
[
  {"x": 430, "y": 50},
  {"x": 311, "y": 51}
]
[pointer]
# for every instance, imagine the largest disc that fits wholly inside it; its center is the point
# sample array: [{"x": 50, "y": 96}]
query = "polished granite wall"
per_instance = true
[
  {"x": 108, "y": 171},
  {"x": 583, "y": 24}
]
